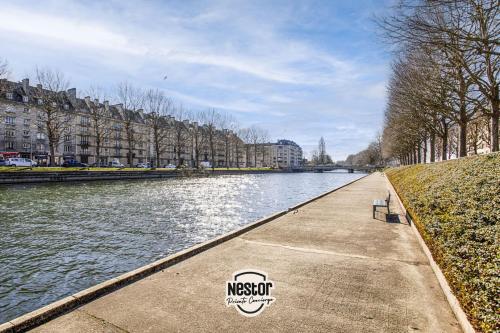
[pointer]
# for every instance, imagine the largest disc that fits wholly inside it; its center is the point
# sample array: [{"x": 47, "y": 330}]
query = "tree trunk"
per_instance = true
[
  {"x": 444, "y": 148},
  {"x": 433, "y": 147},
  {"x": 494, "y": 127},
  {"x": 52, "y": 154},
  {"x": 130, "y": 158},
  {"x": 254, "y": 156},
  {"x": 462, "y": 150},
  {"x": 157, "y": 151},
  {"x": 419, "y": 153},
  {"x": 425, "y": 151}
]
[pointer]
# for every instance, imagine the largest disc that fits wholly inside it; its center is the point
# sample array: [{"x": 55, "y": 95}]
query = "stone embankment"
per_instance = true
[{"x": 22, "y": 177}]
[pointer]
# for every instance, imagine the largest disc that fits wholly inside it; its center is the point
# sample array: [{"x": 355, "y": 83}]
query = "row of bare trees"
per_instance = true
[
  {"x": 444, "y": 88},
  {"x": 146, "y": 117}
]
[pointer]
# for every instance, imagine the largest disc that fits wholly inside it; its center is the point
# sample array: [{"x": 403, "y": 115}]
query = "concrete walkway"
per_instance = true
[{"x": 336, "y": 270}]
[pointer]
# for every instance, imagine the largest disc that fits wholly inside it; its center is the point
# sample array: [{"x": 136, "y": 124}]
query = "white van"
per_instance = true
[
  {"x": 18, "y": 161},
  {"x": 115, "y": 164}
]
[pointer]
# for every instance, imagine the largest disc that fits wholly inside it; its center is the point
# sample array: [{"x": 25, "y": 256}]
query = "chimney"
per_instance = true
[
  {"x": 87, "y": 100},
  {"x": 96, "y": 101},
  {"x": 39, "y": 86},
  {"x": 26, "y": 85},
  {"x": 106, "y": 105},
  {"x": 72, "y": 94}
]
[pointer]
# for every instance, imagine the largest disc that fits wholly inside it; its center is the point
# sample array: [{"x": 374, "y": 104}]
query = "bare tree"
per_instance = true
[
  {"x": 131, "y": 100},
  {"x": 51, "y": 94},
  {"x": 4, "y": 73},
  {"x": 197, "y": 136},
  {"x": 211, "y": 124},
  {"x": 464, "y": 37},
  {"x": 244, "y": 134},
  {"x": 322, "y": 151},
  {"x": 180, "y": 133},
  {"x": 99, "y": 118},
  {"x": 254, "y": 139},
  {"x": 264, "y": 140},
  {"x": 159, "y": 107}
]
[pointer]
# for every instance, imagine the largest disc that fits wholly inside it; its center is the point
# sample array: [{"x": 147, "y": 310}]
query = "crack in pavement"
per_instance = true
[
  {"x": 104, "y": 321},
  {"x": 318, "y": 251}
]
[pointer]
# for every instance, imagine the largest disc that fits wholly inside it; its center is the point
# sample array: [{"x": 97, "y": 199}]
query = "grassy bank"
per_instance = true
[{"x": 456, "y": 208}]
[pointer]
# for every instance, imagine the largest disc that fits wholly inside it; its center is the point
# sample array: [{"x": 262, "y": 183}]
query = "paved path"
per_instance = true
[{"x": 336, "y": 270}]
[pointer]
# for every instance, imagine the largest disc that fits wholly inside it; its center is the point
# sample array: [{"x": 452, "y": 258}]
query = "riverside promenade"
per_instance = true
[{"x": 335, "y": 270}]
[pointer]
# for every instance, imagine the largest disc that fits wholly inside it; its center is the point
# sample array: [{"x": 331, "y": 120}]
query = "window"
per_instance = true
[
  {"x": 25, "y": 99},
  {"x": 26, "y": 145},
  {"x": 40, "y": 101},
  {"x": 26, "y": 133},
  {"x": 85, "y": 151},
  {"x": 84, "y": 140},
  {"x": 66, "y": 107},
  {"x": 41, "y": 147},
  {"x": 40, "y": 136},
  {"x": 67, "y": 148},
  {"x": 9, "y": 145},
  {"x": 10, "y": 120},
  {"x": 26, "y": 110},
  {"x": 54, "y": 104},
  {"x": 84, "y": 120},
  {"x": 9, "y": 95},
  {"x": 26, "y": 122},
  {"x": 10, "y": 133},
  {"x": 67, "y": 137}
]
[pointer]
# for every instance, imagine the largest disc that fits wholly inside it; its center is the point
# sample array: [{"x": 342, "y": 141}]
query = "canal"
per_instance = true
[{"x": 57, "y": 239}]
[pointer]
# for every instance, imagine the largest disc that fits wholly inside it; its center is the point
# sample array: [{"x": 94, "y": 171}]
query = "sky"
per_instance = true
[{"x": 299, "y": 69}]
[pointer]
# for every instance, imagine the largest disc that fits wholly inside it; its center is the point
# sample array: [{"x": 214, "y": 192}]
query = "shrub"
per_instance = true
[{"x": 455, "y": 206}]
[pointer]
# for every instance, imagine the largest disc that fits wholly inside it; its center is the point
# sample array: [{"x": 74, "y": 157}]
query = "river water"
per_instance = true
[{"x": 58, "y": 239}]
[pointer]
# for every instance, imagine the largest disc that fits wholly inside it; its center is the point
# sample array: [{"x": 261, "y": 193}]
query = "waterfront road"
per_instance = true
[{"x": 335, "y": 269}]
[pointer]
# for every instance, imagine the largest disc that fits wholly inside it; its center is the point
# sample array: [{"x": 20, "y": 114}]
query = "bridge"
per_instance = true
[{"x": 332, "y": 167}]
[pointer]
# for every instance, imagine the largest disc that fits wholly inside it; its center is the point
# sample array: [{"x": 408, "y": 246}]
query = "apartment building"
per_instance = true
[
  {"x": 281, "y": 154},
  {"x": 24, "y": 132},
  {"x": 286, "y": 154}
]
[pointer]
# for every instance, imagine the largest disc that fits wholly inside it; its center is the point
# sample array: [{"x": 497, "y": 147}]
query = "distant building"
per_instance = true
[
  {"x": 286, "y": 154},
  {"x": 282, "y": 154}
]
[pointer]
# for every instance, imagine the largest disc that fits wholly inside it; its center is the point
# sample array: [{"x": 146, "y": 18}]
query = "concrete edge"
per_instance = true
[
  {"x": 51, "y": 311},
  {"x": 445, "y": 287}
]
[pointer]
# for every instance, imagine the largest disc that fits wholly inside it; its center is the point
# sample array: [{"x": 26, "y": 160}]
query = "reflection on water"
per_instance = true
[{"x": 57, "y": 239}]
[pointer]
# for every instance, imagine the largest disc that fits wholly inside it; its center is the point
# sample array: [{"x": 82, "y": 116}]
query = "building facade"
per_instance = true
[
  {"x": 282, "y": 154},
  {"x": 125, "y": 135}
]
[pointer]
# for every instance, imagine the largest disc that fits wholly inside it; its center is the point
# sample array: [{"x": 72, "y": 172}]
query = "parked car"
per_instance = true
[
  {"x": 116, "y": 164},
  {"x": 143, "y": 165},
  {"x": 19, "y": 161},
  {"x": 205, "y": 164},
  {"x": 74, "y": 163},
  {"x": 2, "y": 162},
  {"x": 169, "y": 166}
]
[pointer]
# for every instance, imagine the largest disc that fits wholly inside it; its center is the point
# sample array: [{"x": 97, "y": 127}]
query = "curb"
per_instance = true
[
  {"x": 445, "y": 287},
  {"x": 42, "y": 315}
]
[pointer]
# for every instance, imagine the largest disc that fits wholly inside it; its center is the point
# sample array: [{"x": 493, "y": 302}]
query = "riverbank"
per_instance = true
[
  {"x": 455, "y": 205},
  {"x": 335, "y": 269},
  {"x": 10, "y": 175}
]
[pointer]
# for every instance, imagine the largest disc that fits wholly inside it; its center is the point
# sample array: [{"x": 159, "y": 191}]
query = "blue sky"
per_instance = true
[{"x": 300, "y": 69}]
